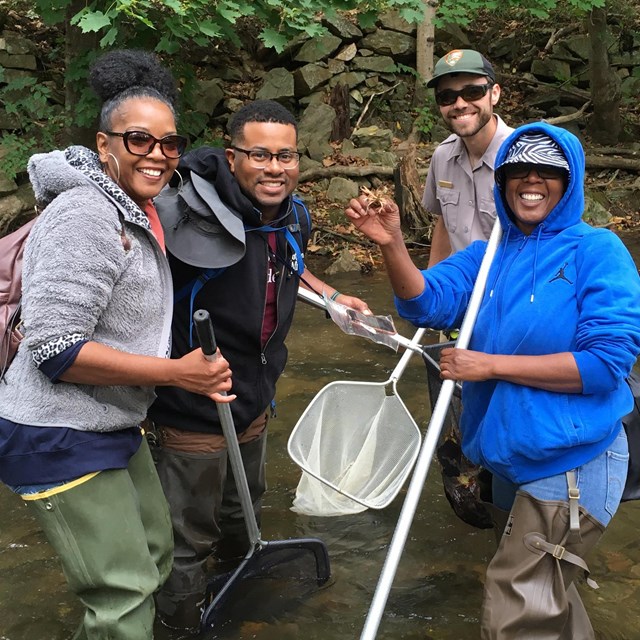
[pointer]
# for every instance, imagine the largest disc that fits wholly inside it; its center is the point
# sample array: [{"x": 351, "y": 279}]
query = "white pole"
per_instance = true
[{"x": 428, "y": 449}]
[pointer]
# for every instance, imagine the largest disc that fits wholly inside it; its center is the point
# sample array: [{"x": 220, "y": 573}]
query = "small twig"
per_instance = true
[
  {"x": 371, "y": 97},
  {"x": 572, "y": 116},
  {"x": 613, "y": 177},
  {"x": 614, "y": 151},
  {"x": 344, "y": 236},
  {"x": 560, "y": 33}
]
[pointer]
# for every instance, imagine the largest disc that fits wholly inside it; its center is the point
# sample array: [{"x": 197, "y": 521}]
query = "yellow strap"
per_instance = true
[{"x": 60, "y": 488}]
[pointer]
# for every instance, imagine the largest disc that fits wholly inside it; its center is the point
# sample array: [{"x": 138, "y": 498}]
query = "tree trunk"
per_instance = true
[
  {"x": 415, "y": 219},
  {"x": 339, "y": 100},
  {"x": 605, "y": 83},
  {"x": 425, "y": 39},
  {"x": 77, "y": 46}
]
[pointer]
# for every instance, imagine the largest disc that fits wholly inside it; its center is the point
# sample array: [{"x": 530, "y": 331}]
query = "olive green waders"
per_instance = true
[
  {"x": 208, "y": 524},
  {"x": 529, "y": 592},
  {"x": 113, "y": 536}
]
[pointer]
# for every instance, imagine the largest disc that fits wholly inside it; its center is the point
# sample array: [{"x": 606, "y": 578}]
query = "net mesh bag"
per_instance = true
[{"x": 356, "y": 444}]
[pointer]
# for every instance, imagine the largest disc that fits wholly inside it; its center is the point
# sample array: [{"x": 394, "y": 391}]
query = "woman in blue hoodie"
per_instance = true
[{"x": 544, "y": 388}]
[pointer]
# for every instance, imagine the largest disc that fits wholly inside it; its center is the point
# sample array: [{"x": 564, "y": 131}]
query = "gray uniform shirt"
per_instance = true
[{"x": 462, "y": 196}]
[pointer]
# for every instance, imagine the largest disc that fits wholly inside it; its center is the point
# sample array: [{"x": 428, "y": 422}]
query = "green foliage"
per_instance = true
[
  {"x": 86, "y": 107},
  {"x": 20, "y": 149},
  {"x": 37, "y": 120},
  {"x": 425, "y": 120},
  {"x": 175, "y": 22},
  {"x": 403, "y": 68},
  {"x": 462, "y": 12}
]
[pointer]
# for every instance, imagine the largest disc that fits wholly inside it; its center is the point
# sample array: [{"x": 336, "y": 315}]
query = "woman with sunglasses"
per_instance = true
[
  {"x": 544, "y": 389},
  {"x": 97, "y": 306}
]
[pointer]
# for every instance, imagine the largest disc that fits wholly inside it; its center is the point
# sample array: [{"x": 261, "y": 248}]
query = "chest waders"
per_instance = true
[
  {"x": 208, "y": 523},
  {"x": 529, "y": 591}
]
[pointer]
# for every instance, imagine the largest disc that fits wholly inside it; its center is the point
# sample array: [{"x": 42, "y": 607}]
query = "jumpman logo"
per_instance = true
[{"x": 560, "y": 275}]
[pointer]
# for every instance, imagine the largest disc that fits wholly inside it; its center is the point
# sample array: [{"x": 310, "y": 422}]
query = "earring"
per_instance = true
[
  {"x": 117, "y": 166},
  {"x": 170, "y": 191},
  {"x": 181, "y": 183}
]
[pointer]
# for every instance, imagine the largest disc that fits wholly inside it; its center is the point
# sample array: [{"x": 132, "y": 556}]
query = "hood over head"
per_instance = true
[
  {"x": 211, "y": 164},
  {"x": 543, "y": 144}
]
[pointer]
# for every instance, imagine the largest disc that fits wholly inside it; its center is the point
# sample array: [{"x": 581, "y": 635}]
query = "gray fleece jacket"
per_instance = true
[{"x": 84, "y": 280}]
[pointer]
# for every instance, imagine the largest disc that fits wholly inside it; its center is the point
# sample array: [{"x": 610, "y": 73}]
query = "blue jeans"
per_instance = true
[{"x": 600, "y": 481}]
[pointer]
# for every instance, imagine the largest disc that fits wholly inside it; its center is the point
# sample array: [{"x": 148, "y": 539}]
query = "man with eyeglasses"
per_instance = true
[
  {"x": 459, "y": 187},
  {"x": 236, "y": 237}
]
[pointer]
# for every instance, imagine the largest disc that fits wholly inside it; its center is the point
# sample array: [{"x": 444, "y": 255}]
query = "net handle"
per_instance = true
[
  {"x": 204, "y": 331},
  {"x": 412, "y": 347},
  {"x": 428, "y": 449},
  {"x": 316, "y": 300}
]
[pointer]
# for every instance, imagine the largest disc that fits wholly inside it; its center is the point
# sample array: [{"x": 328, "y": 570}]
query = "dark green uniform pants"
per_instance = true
[{"x": 113, "y": 536}]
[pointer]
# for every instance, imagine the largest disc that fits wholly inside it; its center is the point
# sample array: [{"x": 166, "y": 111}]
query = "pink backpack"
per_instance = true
[{"x": 11, "y": 251}]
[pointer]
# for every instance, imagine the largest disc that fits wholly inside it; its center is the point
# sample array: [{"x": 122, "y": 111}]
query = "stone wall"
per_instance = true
[{"x": 373, "y": 64}]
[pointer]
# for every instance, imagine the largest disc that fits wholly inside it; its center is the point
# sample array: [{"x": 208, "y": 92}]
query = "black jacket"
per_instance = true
[{"x": 236, "y": 301}]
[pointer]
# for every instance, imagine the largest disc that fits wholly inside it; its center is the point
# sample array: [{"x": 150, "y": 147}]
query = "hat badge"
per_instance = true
[{"x": 453, "y": 57}]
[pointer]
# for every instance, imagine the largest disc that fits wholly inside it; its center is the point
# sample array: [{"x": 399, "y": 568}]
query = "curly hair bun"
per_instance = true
[{"x": 116, "y": 71}]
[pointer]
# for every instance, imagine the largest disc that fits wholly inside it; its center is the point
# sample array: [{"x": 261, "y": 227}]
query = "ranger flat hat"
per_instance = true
[
  {"x": 462, "y": 61},
  {"x": 200, "y": 229}
]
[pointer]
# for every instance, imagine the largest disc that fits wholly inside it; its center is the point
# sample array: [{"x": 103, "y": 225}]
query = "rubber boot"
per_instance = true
[
  {"x": 529, "y": 593},
  {"x": 234, "y": 542},
  {"x": 113, "y": 536},
  {"x": 193, "y": 484}
]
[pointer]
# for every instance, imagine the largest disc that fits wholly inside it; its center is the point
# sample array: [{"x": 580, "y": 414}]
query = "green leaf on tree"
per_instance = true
[{"x": 94, "y": 21}]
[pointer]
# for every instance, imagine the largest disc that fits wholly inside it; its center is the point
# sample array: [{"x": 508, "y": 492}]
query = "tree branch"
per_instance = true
[
  {"x": 602, "y": 162},
  {"x": 347, "y": 237},
  {"x": 371, "y": 97},
  {"x": 560, "y": 33},
  {"x": 317, "y": 173},
  {"x": 569, "y": 118}
]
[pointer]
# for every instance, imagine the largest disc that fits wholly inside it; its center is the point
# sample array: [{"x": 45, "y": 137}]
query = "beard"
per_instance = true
[{"x": 463, "y": 129}]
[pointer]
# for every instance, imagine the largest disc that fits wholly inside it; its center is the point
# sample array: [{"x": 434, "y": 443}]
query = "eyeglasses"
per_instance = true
[
  {"x": 260, "y": 158},
  {"x": 519, "y": 171},
  {"x": 469, "y": 93},
  {"x": 140, "y": 143}
]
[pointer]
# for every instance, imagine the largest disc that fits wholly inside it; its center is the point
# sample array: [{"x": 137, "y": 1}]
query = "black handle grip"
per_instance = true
[{"x": 204, "y": 329}]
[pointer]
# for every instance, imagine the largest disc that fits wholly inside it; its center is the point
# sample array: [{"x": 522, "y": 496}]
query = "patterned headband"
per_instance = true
[{"x": 536, "y": 148}]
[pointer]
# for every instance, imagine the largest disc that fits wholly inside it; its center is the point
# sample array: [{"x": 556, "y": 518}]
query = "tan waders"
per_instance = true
[
  {"x": 208, "y": 524},
  {"x": 113, "y": 536},
  {"x": 529, "y": 591}
]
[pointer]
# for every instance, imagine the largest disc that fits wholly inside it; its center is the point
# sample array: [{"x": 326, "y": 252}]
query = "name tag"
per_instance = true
[{"x": 445, "y": 183}]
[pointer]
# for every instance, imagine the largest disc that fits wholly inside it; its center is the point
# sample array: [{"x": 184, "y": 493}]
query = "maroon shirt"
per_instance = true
[{"x": 270, "y": 318}]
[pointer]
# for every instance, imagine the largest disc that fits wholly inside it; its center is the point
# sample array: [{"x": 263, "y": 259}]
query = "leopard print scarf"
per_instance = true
[{"x": 87, "y": 162}]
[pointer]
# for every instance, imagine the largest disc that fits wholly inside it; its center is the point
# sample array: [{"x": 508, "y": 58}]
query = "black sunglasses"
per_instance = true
[
  {"x": 140, "y": 143},
  {"x": 519, "y": 171},
  {"x": 469, "y": 93}
]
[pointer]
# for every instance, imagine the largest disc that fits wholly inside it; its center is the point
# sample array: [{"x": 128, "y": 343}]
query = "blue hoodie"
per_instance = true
[{"x": 566, "y": 287}]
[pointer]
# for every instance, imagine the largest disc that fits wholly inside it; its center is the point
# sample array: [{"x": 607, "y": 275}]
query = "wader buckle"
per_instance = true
[{"x": 558, "y": 552}]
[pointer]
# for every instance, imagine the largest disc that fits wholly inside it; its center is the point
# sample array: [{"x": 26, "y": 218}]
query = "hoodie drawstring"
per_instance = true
[
  {"x": 535, "y": 262},
  {"x": 505, "y": 240}
]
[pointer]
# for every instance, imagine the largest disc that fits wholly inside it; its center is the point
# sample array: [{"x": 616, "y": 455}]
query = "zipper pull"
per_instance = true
[{"x": 263, "y": 358}]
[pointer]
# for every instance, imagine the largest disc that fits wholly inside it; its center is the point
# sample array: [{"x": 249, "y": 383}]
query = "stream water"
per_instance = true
[{"x": 437, "y": 591}]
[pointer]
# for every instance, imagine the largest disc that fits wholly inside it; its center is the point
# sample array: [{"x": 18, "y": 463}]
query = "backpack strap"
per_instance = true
[
  {"x": 297, "y": 262},
  {"x": 191, "y": 289}
]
